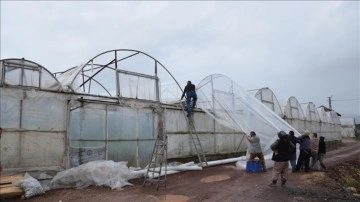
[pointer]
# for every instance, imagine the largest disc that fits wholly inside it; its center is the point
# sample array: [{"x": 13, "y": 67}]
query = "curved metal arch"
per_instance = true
[
  {"x": 37, "y": 64},
  {"x": 100, "y": 85},
  {"x": 130, "y": 50}
]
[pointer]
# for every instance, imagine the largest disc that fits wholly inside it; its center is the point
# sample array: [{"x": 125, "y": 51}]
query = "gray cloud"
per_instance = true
[{"x": 305, "y": 49}]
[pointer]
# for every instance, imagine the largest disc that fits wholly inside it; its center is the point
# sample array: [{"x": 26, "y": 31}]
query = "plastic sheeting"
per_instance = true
[
  {"x": 230, "y": 105},
  {"x": 67, "y": 78},
  {"x": 97, "y": 173},
  {"x": 31, "y": 186},
  {"x": 20, "y": 72},
  {"x": 137, "y": 86}
]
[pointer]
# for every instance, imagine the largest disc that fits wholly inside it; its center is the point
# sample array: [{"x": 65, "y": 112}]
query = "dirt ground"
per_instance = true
[{"x": 226, "y": 183}]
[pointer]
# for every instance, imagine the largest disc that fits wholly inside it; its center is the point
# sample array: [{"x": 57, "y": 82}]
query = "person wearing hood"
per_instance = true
[
  {"x": 305, "y": 151},
  {"x": 293, "y": 140},
  {"x": 282, "y": 151},
  {"x": 322, "y": 151},
  {"x": 314, "y": 145}
]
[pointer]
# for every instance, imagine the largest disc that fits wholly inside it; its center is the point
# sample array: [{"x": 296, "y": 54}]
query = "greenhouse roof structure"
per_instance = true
[
  {"x": 268, "y": 98},
  {"x": 114, "y": 73},
  {"x": 26, "y": 73}
]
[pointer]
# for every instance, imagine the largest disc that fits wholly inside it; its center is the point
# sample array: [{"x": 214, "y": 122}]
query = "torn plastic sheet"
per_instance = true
[{"x": 97, "y": 173}]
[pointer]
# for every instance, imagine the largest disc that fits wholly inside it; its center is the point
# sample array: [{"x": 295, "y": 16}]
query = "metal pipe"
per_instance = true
[
  {"x": 92, "y": 76},
  {"x": 67, "y": 136}
]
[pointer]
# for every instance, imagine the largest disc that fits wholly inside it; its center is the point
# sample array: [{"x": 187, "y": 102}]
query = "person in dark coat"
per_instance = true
[
  {"x": 282, "y": 149},
  {"x": 293, "y": 140},
  {"x": 322, "y": 151},
  {"x": 305, "y": 151},
  {"x": 189, "y": 90}
]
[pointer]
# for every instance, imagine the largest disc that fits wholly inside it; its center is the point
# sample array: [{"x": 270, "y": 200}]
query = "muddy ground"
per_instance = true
[{"x": 226, "y": 183}]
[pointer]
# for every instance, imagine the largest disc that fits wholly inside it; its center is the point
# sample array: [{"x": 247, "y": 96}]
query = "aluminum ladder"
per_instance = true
[
  {"x": 195, "y": 138},
  {"x": 158, "y": 162}
]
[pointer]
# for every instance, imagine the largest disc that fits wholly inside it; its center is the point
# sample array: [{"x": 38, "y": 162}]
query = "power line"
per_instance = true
[{"x": 347, "y": 100}]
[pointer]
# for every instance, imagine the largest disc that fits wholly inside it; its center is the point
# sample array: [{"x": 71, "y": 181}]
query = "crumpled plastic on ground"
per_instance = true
[
  {"x": 97, "y": 173},
  {"x": 31, "y": 186}
]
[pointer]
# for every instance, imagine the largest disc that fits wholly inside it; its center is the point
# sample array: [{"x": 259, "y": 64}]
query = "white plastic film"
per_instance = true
[{"x": 230, "y": 105}]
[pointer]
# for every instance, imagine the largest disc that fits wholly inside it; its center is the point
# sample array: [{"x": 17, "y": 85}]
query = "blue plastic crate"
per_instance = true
[{"x": 253, "y": 166}]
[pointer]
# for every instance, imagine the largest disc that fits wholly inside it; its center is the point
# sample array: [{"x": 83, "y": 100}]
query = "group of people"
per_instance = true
[
  {"x": 313, "y": 148},
  {"x": 284, "y": 151}
]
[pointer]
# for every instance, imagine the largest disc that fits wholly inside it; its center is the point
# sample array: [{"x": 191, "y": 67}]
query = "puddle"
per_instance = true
[
  {"x": 214, "y": 178},
  {"x": 174, "y": 198}
]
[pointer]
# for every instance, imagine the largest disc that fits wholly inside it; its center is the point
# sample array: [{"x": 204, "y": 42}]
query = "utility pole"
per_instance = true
[{"x": 329, "y": 98}]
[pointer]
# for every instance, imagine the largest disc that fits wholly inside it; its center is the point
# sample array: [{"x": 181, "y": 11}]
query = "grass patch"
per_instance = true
[{"x": 351, "y": 182}]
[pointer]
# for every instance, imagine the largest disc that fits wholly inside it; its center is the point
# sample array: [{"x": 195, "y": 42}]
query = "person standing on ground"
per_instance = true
[
  {"x": 283, "y": 149},
  {"x": 254, "y": 149},
  {"x": 189, "y": 90},
  {"x": 305, "y": 151},
  {"x": 293, "y": 140},
  {"x": 322, "y": 151},
  {"x": 314, "y": 144}
]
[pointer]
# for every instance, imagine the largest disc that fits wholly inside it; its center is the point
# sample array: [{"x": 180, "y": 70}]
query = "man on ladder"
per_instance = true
[{"x": 189, "y": 90}]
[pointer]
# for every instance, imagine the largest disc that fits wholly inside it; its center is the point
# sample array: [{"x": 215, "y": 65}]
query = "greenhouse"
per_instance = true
[
  {"x": 312, "y": 119},
  {"x": 335, "y": 125},
  {"x": 326, "y": 123},
  {"x": 268, "y": 98},
  {"x": 97, "y": 110},
  {"x": 111, "y": 108},
  {"x": 294, "y": 114},
  {"x": 348, "y": 127}
]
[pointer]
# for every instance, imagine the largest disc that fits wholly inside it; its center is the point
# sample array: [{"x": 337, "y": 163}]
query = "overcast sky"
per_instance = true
[{"x": 309, "y": 50}]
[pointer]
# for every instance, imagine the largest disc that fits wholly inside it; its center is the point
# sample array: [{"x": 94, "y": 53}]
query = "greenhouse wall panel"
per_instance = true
[
  {"x": 43, "y": 111},
  {"x": 226, "y": 143},
  {"x": 219, "y": 128},
  {"x": 208, "y": 143},
  {"x": 123, "y": 151},
  {"x": 179, "y": 145},
  {"x": 42, "y": 149},
  {"x": 203, "y": 123},
  {"x": 175, "y": 121},
  {"x": 33, "y": 149},
  {"x": 124, "y": 132},
  {"x": 10, "y": 149},
  {"x": 145, "y": 152},
  {"x": 10, "y": 108}
]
